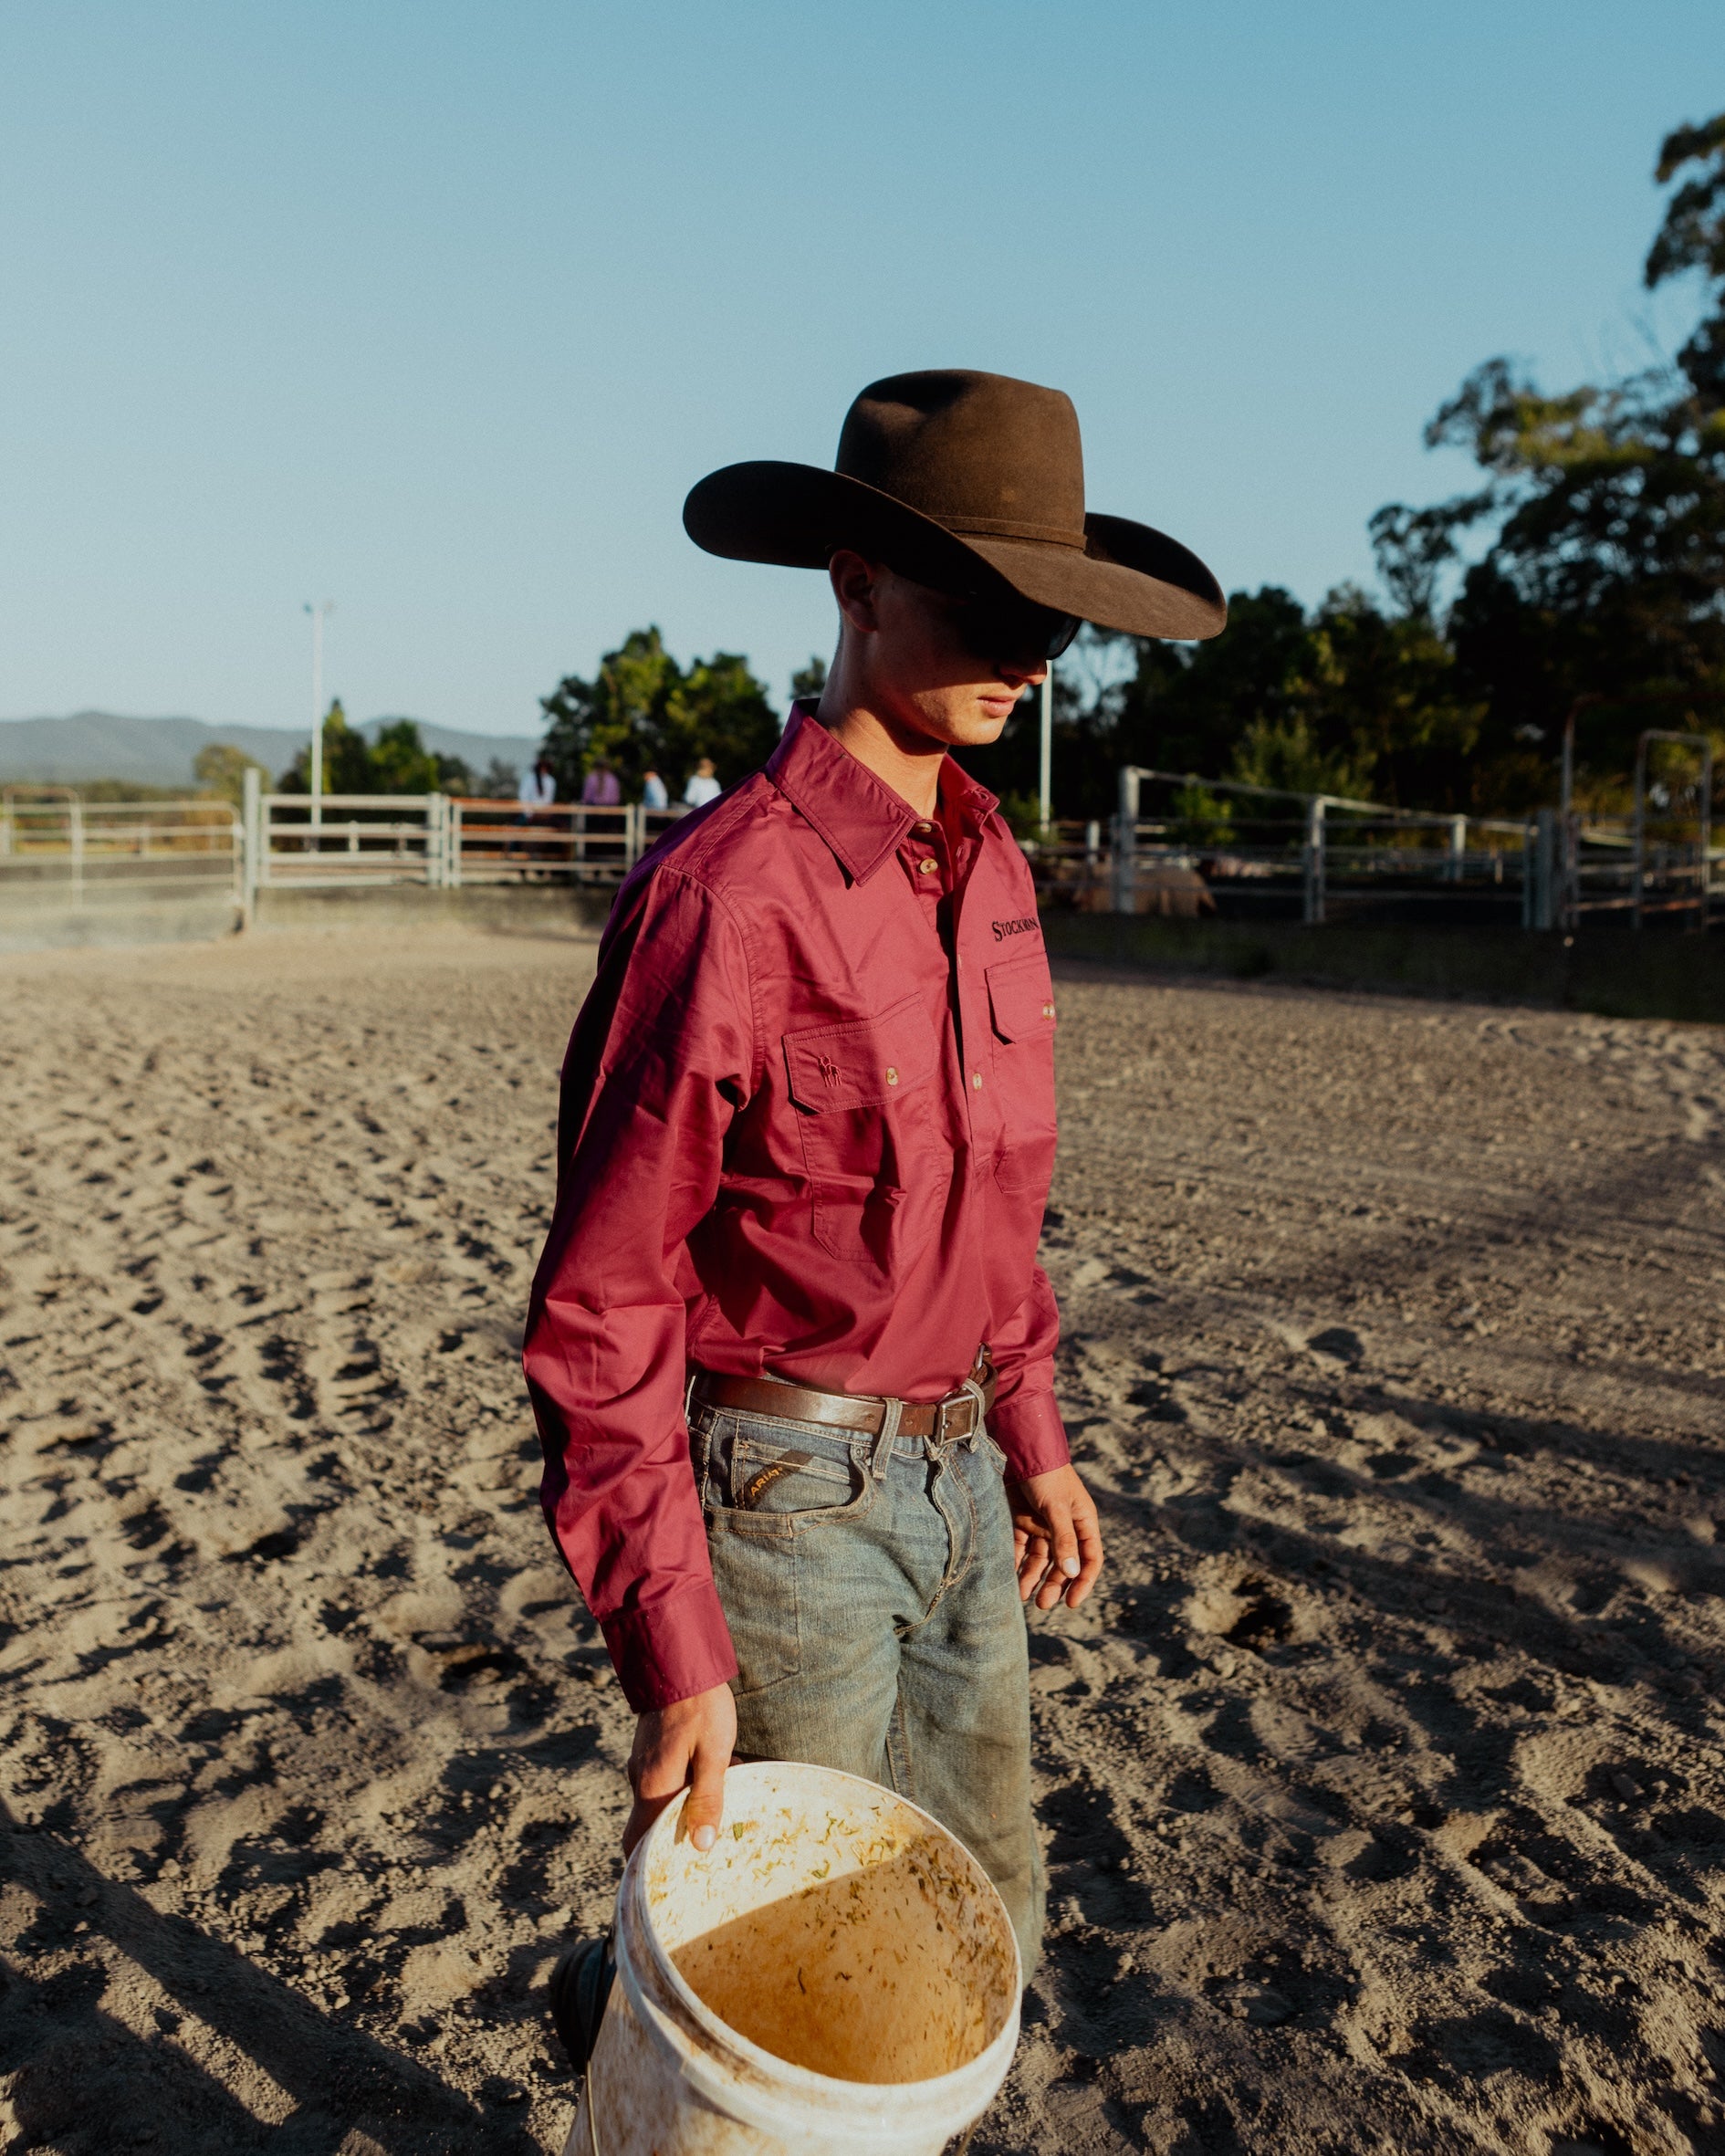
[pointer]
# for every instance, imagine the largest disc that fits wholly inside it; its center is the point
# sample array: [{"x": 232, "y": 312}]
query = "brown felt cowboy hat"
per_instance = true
[{"x": 958, "y": 479}]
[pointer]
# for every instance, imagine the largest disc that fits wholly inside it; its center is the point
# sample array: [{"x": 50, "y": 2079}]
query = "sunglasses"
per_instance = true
[{"x": 1004, "y": 626}]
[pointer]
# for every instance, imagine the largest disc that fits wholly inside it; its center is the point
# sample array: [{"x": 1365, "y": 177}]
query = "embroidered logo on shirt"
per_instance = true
[
  {"x": 828, "y": 1069},
  {"x": 1002, "y": 929}
]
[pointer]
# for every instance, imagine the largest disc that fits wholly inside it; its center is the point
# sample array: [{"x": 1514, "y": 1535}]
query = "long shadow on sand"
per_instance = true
[{"x": 84, "y": 2080}]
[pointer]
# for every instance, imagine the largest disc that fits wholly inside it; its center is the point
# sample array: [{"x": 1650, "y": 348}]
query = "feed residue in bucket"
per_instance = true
[{"x": 871, "y": 1976}]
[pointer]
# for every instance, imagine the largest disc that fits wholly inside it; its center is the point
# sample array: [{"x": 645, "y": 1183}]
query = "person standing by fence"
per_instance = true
[
  {"x": 653, "y": 793},
  {"x": 535, "y": 793},
  {"x": 601, "y": 789},
  {"x": 703, "y": 786}
]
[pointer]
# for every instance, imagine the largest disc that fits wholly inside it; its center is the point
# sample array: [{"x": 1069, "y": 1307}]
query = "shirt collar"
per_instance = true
[{"x": 858, "y": 815}]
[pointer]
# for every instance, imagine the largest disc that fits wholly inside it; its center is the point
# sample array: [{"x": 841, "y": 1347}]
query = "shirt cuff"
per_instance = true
[
  {"x": 669, "y": 1650},
  {"x": 1029, "y": 1431}
]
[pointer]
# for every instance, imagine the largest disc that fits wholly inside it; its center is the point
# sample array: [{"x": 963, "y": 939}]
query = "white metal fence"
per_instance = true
[
  {"x": 58, "y": 851},
  {"x": 1181, "y": 845},
  {"x": 443, "y": 841},
  {"x": 1313, "y": 858}
]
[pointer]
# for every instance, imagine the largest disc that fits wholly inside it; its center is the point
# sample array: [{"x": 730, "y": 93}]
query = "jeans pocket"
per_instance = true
[
  {"x": 788, "y": 1480},
  {"x": 772, "y": 1478}
]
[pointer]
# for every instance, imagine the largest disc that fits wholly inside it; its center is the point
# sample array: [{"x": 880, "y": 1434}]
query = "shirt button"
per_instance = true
[
  {"x": 926, "y": 868},
  {"x": 921, "y": 830},
  {"x": 892, "y": 1075},
  {"x": 976, "y": 1080},
  {"x": 1048, "y": 1011}
]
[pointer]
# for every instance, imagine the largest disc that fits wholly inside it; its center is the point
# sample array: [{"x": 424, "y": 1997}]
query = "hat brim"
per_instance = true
[{"x": 1128, "y": 577}]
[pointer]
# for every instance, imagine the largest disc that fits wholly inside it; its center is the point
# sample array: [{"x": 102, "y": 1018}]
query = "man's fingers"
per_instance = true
[
  {"x": 685, "y": 1745},
  {"x": 1030, "y": 1553},
  {"x": 1064, "y": 1560},
  {"x": 646, "y": 1810},
  {"x": 1090, "y": 1550},
  {"x": 706, "y": 1806}
]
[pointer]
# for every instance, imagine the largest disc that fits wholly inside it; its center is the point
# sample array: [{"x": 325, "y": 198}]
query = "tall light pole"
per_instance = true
[
  {"x": 1046, "y": 788},
  {"x": 319, "y": 614}
]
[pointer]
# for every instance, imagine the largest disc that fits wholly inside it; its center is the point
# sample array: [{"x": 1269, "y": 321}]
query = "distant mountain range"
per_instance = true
[{"x": 160, "y": 752}]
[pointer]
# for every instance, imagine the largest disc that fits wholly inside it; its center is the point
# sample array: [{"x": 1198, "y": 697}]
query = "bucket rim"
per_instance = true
[{"x": 830, "y": 2089}]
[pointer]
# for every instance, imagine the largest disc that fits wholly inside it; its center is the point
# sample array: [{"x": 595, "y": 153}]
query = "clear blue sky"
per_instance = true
[{"x": 438, "y": 310}]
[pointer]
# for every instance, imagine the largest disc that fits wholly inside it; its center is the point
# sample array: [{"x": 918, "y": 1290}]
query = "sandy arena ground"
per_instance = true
[{"x": 1384, "y": 1783}]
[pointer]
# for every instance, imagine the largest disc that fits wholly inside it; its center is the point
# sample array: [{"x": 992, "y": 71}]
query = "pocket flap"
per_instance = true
[
  {"x": 865, "y": 1062},
  {"x": 1021, "y": 998}
]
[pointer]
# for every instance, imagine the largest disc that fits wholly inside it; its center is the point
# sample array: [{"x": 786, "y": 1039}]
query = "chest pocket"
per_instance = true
[
  {"x": 865, "y": 1099},
  {"x": 1021, "y": 1011}
]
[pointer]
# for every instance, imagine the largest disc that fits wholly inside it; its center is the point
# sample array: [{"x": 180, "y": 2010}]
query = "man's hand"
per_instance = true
[
  {"x": 688, "y": 1743},
  {"x": 1056, "y": 1538}
]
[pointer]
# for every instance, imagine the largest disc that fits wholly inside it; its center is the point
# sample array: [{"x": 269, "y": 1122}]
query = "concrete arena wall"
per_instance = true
[
  {"x": 39, "y": 920},
  {"x": 1661, "y": 973},
  {"x": 48, "y": 922},
  {"x": 507, "y": 908}
]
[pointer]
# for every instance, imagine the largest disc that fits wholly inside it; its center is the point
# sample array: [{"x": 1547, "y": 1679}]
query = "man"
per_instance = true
[
  {"x": 653, "y": 793},
  {"x": 601, "y": 787},
  {"x": 806, "y": 1137},
  {"x": 703, "y": 786}
]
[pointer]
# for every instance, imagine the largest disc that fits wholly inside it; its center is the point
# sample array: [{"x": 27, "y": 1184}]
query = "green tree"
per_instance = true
[
  {"x": 1604, "y": 516},
  {"x": 401, "y": 763},
  {"x": 1346, "y": 699},
  {"x": 397, "y": 762},
  {"x": 220, "y": 769},
  {"x": 643, "y": 711},
  {"x": 347, "y": 759}
]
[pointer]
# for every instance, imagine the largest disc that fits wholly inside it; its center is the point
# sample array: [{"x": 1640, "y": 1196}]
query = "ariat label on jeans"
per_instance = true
[
  {"x": 758, "y": 1485},
  {"x": 778, "y": 1478}
]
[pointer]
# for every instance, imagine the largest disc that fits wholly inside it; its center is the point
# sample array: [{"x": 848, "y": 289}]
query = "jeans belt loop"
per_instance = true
[
  {"x": 881, "y": 1450},
  {"x": 980, "y": 1410}
]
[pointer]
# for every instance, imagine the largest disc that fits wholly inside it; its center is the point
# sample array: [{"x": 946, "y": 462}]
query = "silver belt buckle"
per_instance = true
[{"x": 970, "y": 1395}]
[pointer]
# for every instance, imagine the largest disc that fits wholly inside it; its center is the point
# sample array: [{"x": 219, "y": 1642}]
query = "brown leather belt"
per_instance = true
[{"x": 960, "y": 1415}]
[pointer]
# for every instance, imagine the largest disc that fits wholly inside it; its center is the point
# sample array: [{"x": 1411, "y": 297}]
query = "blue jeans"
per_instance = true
[{"x": 874, "y": 1605}]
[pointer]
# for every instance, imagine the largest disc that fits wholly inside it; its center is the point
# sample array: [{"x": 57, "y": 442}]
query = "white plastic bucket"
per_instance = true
[{"x": 836, "y": 1977}]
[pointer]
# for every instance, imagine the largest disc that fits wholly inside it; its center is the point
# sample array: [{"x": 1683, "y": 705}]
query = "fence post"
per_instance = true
[
  {"x": 1545, "y": 868},
  {"x": 1641, "y": 827},
  {"x": 1458, "y": 849},
  {"x": 5, "y": 826},
  {"x": 77, "y": 851},
  {"x": 251, "y": 790},
  {"x": 1126, "y": 843},
  {"x": 1313, "y": 909},
  {"x": 456, "y": 818}
]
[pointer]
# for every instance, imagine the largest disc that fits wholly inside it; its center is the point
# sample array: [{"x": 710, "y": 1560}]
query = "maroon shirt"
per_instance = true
[{"x": 806, "y": 1127}]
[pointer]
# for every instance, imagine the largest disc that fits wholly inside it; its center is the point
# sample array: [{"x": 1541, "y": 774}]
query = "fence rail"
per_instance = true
[
  {"x": 496, "y": 842},
  {"x": 1225, "y": 847},
  {"x": 445, "y": 841},
  {"x": 57, "y": 850},
  {"x": 1179, "y": 845}
]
